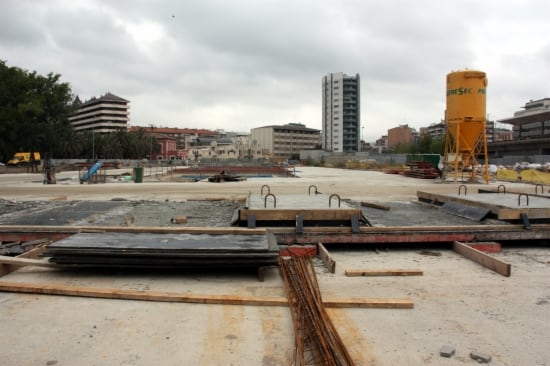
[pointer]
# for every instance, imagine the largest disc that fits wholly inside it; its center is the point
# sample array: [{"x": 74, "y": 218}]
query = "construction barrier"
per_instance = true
[{"x": 526, "y": 176}]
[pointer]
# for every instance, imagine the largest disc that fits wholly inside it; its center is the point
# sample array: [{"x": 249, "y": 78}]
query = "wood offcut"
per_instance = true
[
  {"x": 329, "y": 262},
  {"x": 485, "y": 260}
]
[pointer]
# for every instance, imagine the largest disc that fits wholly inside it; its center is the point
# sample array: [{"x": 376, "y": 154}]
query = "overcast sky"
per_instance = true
[{"x": 236, "y": 65}]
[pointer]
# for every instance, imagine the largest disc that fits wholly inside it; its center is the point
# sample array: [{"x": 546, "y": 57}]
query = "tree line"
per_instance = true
[
  {"x": 426, "y": 145},
  {"x": 34, "y": 111}
]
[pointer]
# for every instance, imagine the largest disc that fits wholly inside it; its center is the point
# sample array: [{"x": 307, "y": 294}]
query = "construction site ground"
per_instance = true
[{"x": 456, "y": 301}]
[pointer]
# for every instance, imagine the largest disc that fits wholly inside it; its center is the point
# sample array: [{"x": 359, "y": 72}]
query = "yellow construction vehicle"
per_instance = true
[{"x": 24, "y": 158}]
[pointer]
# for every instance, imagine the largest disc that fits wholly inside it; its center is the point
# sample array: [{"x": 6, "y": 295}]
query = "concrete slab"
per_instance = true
[
  {"x": 305, "y": 202},
  {"x": 456, "y": 301}
]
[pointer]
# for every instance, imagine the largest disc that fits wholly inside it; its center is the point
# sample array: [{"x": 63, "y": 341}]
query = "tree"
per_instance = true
[{"x": 33, "y": 110}]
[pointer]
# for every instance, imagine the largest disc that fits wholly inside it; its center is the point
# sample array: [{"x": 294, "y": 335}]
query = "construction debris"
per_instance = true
[
  {"x": 480, "y": 357},
  {"x": 225, "y": 176},
  {"x": 447, "y": 351},
  {"x": 143, "y": 250}
]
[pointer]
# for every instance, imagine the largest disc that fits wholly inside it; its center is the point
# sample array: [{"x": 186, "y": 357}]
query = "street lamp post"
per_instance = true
[
  {"x": 151, "y": 145},
  {"x": 362, "y": 137},
  {"x": 93, "y": 145}
]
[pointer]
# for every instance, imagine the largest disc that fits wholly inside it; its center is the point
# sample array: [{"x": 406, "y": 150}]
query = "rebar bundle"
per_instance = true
[{"x": 316, "y": 340}]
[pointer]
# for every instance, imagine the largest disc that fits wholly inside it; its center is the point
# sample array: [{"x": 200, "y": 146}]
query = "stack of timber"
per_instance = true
[
  {"x": 421, "y": 169},
  {"x": 182, "y": 251}
]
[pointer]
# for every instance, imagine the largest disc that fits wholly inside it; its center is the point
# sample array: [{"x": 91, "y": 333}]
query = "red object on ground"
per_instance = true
[{"x": 487, "y": 247}]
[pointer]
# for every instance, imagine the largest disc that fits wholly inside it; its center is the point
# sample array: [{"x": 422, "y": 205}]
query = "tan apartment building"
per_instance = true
[
  {"x": 107, "y": 113},
  {"x": 282, "y": 142}
]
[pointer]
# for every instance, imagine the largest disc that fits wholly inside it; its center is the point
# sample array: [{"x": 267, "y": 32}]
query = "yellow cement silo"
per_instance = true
[{"x": 466, "y": 138}]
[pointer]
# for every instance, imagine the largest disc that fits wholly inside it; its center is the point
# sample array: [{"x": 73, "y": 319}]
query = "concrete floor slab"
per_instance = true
[{"x": 456, "y": 300}]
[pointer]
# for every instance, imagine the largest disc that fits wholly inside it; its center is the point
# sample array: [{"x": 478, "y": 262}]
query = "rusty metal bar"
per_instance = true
[
  {"x": 519, "y": 198},
  {"x": 274, "y": 200},
  {"x": 332, "y": 196},
  {"x": 309, "y": 189},
  {"x": 317, "y": 341}
]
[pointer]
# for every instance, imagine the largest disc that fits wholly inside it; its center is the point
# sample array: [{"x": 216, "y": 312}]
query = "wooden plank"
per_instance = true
[
  {"x": 161, "y": 296},
  {"x": 383, "y": 272},
  {"x": 67, "y": 230},
  {"x": 375, "y": 205},
  {"x": 329, "y": 262},
  {"x": 21, "y": 262},
  {"x": 33, "y": 253},
  {"x": 307, "y": 214},
  {"x": 485, "y": 260},
  {"x": 514, "y": 213},
  {"x": 369, "y": 303}
]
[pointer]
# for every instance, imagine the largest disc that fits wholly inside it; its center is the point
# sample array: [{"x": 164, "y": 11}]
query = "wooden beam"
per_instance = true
[
  {"x": 33, "y": 253},
  {"x": 383, "y": 272},
  {"x": 307, "y": 214},
  {"x": 68, "y": 230},
  {"x": 323, "y": 253},
  {"x": 369, "y": 303},
  {"x": 515, "y": 213},
  {"x": 21, "y": 262},
  {"x": 485, "y": 260},
  {"x": 161, "y": 296}
]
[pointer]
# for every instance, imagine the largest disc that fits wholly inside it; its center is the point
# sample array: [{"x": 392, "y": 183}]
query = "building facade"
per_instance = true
[
  {"x": 107, "y": 113},
  {"x": 341, "y": 113},
  {"x": 284, "y": 142},
  {"x": 533, "y": 122},
  {"x": 401, "y": 135}
]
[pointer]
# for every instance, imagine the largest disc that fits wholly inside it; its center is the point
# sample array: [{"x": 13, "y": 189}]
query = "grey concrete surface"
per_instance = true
[{"x": 456, "y": 301}]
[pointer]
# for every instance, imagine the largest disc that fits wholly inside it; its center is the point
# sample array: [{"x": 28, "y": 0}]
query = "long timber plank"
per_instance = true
[
  {"x": 383, "y": 272},
  {"x": 31, "y": 254},
  {"x": 18, "y": 261},
  {"x": 485, "y": 260},
  {"x": 161, "y": 296},
  {"x": 337, "y": 214},
  {"x": 326, "y": 235}
]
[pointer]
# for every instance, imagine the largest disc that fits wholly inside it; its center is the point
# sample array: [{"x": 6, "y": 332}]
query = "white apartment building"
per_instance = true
[{"x": 341, "y": 113}]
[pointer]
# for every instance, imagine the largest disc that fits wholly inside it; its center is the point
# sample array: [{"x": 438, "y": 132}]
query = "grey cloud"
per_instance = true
[{"x": 242, "y": 63}]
